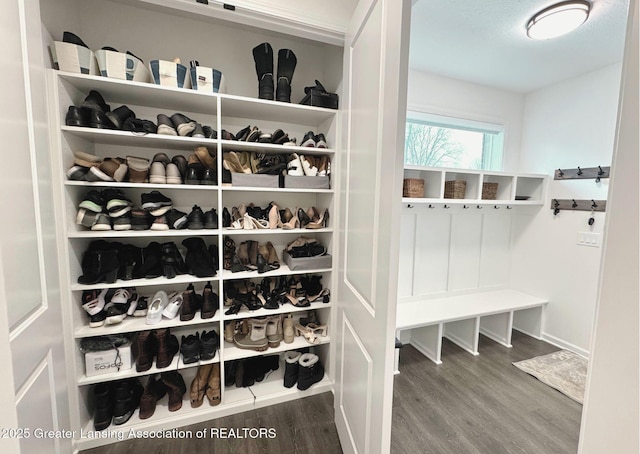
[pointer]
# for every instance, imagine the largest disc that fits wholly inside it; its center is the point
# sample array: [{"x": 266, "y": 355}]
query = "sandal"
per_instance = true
[{"x": 312, "y": 332}]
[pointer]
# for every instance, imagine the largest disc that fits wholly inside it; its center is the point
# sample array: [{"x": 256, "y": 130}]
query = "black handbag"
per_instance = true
[{"x": 319, "y": 97}]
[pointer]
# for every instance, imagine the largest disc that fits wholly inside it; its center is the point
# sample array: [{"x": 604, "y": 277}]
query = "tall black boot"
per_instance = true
[
  {"x": 198, "y": 259},
  {"x": 286, "y": 65},
  {"x": 263, "y": 56}
]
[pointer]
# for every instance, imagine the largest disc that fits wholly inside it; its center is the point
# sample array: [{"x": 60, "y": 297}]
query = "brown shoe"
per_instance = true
[
  {"x": 175, "y": 388},
  {"x": 190, "y": 304},
  {"x": 213, "y": 385},
  {"x": 138, "y": 169},
  {"x": 167, "y": 347},
  {"x": 205, "y": 157},
  {"x": 199, "y": 384},
  {"x": 154, "y": 391},
  {"x": 144, "y": 349}
]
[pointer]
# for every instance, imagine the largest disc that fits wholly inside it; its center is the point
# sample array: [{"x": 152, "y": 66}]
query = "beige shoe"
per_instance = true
[
  {"x": 232, "y": 163},
  {"x": 256, "y": 338},
  {"x": 274, "y": 331},
  {"x": 86, "y": 159},
  {"x": 229, "y": 331},
  {"x": 157, "y": 173},
  {"x": 288, "y": 329},
  {"x": 199, "y": 384},
  {"x": 138, "y": 169},
  {"x": 173, "y": 174},
  {"x": 205, "y": 157}
]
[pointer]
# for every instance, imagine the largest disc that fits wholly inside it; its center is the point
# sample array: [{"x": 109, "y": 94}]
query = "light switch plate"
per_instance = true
[{"x": 589, "y": 239}]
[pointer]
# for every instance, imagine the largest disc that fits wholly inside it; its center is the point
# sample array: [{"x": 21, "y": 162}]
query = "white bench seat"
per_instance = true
[{"x": 462, "y": 318}]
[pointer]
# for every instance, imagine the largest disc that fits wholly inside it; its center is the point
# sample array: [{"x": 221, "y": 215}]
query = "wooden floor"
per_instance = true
[{"x": 467, "y": 405}]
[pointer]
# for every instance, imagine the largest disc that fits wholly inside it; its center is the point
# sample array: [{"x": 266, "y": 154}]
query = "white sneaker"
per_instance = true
[
  {"x": 157, "y": 306},
  {"x": 173, "y": 308}
]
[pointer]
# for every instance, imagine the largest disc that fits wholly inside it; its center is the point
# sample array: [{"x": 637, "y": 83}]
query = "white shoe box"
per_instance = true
[
  {"x": 72, "y": 58},
  {"x": 169, "y": 74},
  {"x": 118, "y": 65},
  {"x": 108, "y": 361},
  {"x": 207, "y": 79}
]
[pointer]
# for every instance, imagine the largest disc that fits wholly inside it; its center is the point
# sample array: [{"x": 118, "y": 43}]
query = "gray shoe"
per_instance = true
[{"x": 256, "y": 338}]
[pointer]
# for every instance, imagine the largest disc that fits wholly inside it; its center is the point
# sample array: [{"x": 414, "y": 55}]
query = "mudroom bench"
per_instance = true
[{"x": 462, "y": 318}]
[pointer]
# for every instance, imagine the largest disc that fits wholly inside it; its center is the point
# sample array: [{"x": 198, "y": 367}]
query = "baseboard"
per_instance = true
[
  {"x": 424, "y": 350},
  {"x": 565, "y": 345},
  {"x": 460, "y": 343},
  {"x": 494, "y": 337}
]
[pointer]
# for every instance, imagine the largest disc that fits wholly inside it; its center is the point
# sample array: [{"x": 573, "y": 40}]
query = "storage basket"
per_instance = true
[
  {"x": 455, "y": 189},
  {"x": 489, "y": 191},
  {"x": 413, "y": 187}
]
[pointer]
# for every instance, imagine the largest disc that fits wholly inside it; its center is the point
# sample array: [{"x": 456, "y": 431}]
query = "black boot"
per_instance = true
[
  {"x": 152, "y": 261},
  {"x": 263, "y": 56},
  {"x": 172, "y": 263},
  {"x": 104, "y": 406},
  {"x": 198, "y": 259},
  {"x": 127, "y": 395},
  {"x": 286, "y": 65},
  {"x": 99, "y": 266},
  {"x": 291, "y": 368},
  {"x": 310, "y": 371}
]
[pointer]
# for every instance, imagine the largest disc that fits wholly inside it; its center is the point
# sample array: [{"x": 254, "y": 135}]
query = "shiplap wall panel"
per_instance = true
[
  {"x": 464, "y": 251},
  {"x": 407, "y": 246},
  {"x": 431, "y": 251},
  {"x": 494, "y": 256}
]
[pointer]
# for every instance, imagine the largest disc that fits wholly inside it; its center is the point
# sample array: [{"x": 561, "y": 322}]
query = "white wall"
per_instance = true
[
  {"x": 610, "y": 419},
  {"x": 566, "y": 125},
  {"x": 454, "y": 98}
]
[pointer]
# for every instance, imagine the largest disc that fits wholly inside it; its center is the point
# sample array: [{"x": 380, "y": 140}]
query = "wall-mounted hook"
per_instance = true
[
  {"x": 409, "y": 205},
  {"x": 509, "y": 207},
  {"x": 430, "y": 206},
  {"x": 560, "y": 173},
  {"x": 465, "y": 206},
  {"x": 574, "y": 204},
  {"x": 496, "y": 207},
  {"x": 479, "y": 207},
  {"x": 446, "y": 206},
  {"x": 594, "y": 205},
  {"x": 579, "y": 171},
  {"x": 600, "y": 173},
  {"x": 591, "y": 220},
  {"x": 556, "y": 207}
]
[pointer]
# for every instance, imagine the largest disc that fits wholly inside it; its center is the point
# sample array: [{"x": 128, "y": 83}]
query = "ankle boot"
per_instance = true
[
  {"x": 229, "y": 331},
  {"x": 190, "y": 348},
  {"x": 172, "y": 263},
  {"x": 208, "y": 345},
  {"x": 228, "y": 251},
  {"x": 291, "y": 368},
  {"x": 198, "y": 260},
  {"x": 274, "y": 331},
  {"x": 126, "y": 394},
  {"x": 99, "y": 266},
  {"x": 213, "y": 252},
  {"x": 213, "y": 385},
  {"x": 144, "y": 350},
  {"x": 263, "y": 57},
  {"x": 129, "y": 257},
  {"x": 190, "y": 304},
  {"x": 103, "y": 402},
  {"x": 310, "y": 371},
  {"x": 286, "y": 65},
  {"x": 210, "y": 302},
  {"x": 256, "y": 338},
  {"x": 175, "y": 388},
  {"x": 288, "y": 329},
  {"x": 199, "y": 384},
  {"x": 226, "y": 218},
  {"x": 154, "y": 391},
  {"x": 152, "y": 261},
  {"x": 262, "y": 264},
  {"x": 167, "y": 347}
]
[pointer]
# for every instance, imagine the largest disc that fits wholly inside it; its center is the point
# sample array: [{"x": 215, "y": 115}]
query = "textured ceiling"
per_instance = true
[{"x": 485, "y": 42}]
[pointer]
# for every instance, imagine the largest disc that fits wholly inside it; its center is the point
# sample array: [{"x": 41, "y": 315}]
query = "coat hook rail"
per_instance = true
[
  {"x": 582, "y": 173},
  {"x": 578, "y": 205}
]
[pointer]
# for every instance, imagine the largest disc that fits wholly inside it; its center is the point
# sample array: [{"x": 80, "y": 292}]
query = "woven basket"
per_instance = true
[
  {"x": 489, "y": 191},
  {"x": 455, "y": 189},
  {"x": 413, "y": 187}
]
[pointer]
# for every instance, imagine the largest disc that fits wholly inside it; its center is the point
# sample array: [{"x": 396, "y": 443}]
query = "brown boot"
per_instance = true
[
  {"x": 199, "y": 384},
  {"x": 213, "y": 385},
  {"x": 154, "y": 391},
  {"x": 288, "y": 329},
  {"x": 144, "y": 349},
  {"x": 167, "y": 347},
  {"x": 175, "y": 387}
]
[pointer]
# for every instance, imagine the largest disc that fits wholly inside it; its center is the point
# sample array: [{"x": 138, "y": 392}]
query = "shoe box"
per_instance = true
[
  {"x": 73, "y": 58},
  {"x": 306, "y": 263},
  {"x": 119, "y": 65},
  {"x": 108, "y": 361},
  {"x": 255, "y": 180},
  {"x": 306, "y": 182}
]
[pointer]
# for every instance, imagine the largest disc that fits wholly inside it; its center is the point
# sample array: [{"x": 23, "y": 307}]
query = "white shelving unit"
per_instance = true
[
  {"x": 513, "y": 188},
  {"x": 219, "y": 112}
]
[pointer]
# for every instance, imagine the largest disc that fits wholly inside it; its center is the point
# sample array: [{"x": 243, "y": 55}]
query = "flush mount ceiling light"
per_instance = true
[{"x": 558, "y": 19}]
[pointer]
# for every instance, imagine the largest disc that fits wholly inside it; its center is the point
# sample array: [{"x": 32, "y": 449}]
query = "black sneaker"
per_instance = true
[
  {"x": 211, "y": 219},
  {"x": 176, "y": 219},
  {"x": 138, "y": 125},
  {"x": 184, "y": 125},
  {"x": 116, "y": 203},
  {"x": 196, "y": 218},
  {"x": 78, "y": 116},
  {"x": 309, "y": 140},
  {"x": 140, "y": 308},
  {"x": 190, "y": 348},
  {"x": 166, "y": 126},
  {"x": 321, "y": 141},
  {"x": 140, "y": 220},
  {"x": 198, "y": 131},
  {"x": 93, "y": 201},
  {"x": 95, "y": 101},
  {"x": 153, "y": 200}
]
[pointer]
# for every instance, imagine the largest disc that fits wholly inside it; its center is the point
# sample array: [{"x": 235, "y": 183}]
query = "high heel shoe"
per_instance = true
[
  {"x": 293, "y": 223},
  {"x": 274, "y": 217},
  {"x": 311, "y": 332},
  {"x": 302, "y": 217},
  {"x": 321, "y": 223}
]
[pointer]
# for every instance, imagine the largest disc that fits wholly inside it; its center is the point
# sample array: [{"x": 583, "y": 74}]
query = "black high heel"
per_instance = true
[{"x": 303, "y": 218}]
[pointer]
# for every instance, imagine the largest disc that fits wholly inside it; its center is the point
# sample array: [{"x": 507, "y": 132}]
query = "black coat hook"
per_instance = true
[
  {"x": 579, "y": 171},
  {"x": 560, "y": 173},
  {"x": 509, "y": 207},
  {"x": 496, "y": 207},
  {"x": 465, "y": 207},
  {"x": 479, "y": 207},
  {"x": 574, "y": 204},
  {"x": 594, "y": 205},
  {"x": 409, "y": 205},
  {"x": 446, "y": 206},
  {"x": 600, "y": 171},
  {"x": 556, "y": 207},
  {"x": 430, "y": 206}
]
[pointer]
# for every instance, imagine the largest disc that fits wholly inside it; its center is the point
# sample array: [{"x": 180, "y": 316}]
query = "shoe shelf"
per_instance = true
[
  {"x": 284, "y": 270},
  {"x": 184, "y": 279},
  {"x": 139, "y": 140},
  {"x": 135, "y": 324},
  {"x": 231, "y": 352},
  {"x": 105, "y": 234},
  {"x": 271, "y": 389},
  {"x": 276, "y": 190},
  {"x": 284, "y": 309},
  {"x": 132, "y": 93},
  {"x": 268, "y": 148},
  {"x": 145, "y": 186},
  {"x": 228, "y": 231}
]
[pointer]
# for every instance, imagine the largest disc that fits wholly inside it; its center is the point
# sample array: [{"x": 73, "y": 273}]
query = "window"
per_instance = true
[{"x": 437, "y": 141}]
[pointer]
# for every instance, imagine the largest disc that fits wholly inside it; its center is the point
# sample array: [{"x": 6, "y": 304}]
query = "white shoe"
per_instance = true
[
  {"x": 157, "y": 173},
  {"x": 309, "y": 170},
  {"x": 173, "y": 308},
  {"x": 157, "y": 306},
  {"x": 294, "y": 167}
]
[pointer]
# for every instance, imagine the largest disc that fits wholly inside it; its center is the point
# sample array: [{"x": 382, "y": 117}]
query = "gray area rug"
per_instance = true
[{"x": 562, "y": 370}]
